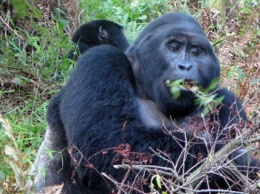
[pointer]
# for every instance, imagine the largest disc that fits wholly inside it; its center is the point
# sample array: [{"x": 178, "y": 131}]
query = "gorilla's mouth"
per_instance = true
[
  {"x": 190, "y": 85},
  {"x": 182, "y": 85}
]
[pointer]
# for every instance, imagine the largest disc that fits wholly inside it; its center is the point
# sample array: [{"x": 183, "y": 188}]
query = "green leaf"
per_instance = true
[
  {"x": 217, "y": 101},
  {"x": 143, "y": 17},
  {"x": 213, "y": 85},
  {"x": 205, "y": 111},
  {"x": 255, "y": 81},
  {"x": 175, "y": 82},
  {"x": 210, "y": 157},
  {"x": 23, "y": 8},
  {"x": 60, "y": 11},
  {"x": 176, "y": 92},
  {"x": 63, "y": 22},
  {"x": 158, "y": 181}
]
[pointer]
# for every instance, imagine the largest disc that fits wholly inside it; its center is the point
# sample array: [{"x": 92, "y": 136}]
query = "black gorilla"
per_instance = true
[
  {"x": 88, "y": 35},
  {"x": 116, "y": 101},
  {"x": 98, "y": 32}
]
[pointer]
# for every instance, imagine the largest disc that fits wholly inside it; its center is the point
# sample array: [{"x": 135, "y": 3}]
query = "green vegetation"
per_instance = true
[
  {"x": 205, "y": 98},
  {"x": 35, "y": 40}
]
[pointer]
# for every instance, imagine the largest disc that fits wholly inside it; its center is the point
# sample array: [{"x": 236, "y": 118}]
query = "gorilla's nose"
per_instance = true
[{"x": 184, "y": 66}]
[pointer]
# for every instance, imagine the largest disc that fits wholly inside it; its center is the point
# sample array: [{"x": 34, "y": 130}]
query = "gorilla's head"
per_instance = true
[
  {"x": 99, "y": 32},
  {"x": 172, "y": 47}
]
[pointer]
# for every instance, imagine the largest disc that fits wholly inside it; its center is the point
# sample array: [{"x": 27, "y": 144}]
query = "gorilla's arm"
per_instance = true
[{"x": 232, "y": 110}]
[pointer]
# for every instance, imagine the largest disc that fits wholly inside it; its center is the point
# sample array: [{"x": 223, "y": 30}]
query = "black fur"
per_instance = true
[
  {"x": 116, "y": 100},
  {"x": 88, "y": 35},
  {"x": 98, "y": 32}
]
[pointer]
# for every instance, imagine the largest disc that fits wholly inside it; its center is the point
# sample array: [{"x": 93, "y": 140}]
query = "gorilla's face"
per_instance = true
[
  {"x": 173, "y": 53},
  {"x": 190, "y": 57}
]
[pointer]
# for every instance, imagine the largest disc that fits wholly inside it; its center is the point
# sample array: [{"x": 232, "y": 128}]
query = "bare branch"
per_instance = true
[{"x": 151, "y": 169}]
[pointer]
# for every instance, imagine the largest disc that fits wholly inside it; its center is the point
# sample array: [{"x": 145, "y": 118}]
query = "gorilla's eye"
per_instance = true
[
  {"x": 196, "y": 51},
  {"x": 174, "y": 46}
]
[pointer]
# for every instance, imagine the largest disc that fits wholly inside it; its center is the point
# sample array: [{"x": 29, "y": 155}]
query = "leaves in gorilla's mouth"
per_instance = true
[
  {"x": 190, "y": 85},
  {"x": 181, "y": 84},
  {"x": 206, "y": 99}
]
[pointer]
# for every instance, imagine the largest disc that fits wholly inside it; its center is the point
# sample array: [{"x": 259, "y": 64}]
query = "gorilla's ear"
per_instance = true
[{"x": 102, "y": 33}]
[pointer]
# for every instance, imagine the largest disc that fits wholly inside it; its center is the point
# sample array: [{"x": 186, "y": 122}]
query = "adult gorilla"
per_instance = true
[{"x": 114, "y": 103}]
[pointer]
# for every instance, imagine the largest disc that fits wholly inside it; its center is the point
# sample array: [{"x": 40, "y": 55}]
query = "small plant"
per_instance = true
[
  {"x": 156, "y": 181},
  {"x": 206, "y": 99}
]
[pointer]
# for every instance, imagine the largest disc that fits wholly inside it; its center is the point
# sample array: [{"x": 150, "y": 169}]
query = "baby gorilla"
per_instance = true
[
  {"x": 116, "y": 104},
  {"x": 98, "y": 32}
]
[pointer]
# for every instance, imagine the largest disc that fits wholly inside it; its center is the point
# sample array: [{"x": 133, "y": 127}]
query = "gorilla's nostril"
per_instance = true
[
  {"x": 184, "y": 67},
  {"x": 181, "y": 67}
]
